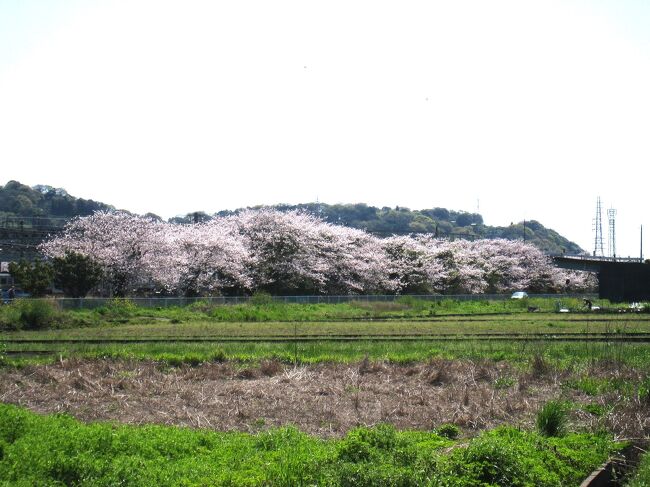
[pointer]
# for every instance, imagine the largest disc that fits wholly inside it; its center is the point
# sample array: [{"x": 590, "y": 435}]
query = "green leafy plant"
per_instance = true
[
  {"x": 33, "y": 314},
  {"x": 121, "y": 307},
  {"x": 59, "y": 450},
  {"x": 448, "y": 430}
]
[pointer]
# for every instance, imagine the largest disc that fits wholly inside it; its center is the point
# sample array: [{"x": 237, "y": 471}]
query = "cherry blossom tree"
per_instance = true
[
  {"x": 357, "y": 263},
  {"x": 210, "y": 258},
  {"x": 296, "y": 253},
  {"x": 132, "y": 250},
  {"x": 414, "y": 265}
]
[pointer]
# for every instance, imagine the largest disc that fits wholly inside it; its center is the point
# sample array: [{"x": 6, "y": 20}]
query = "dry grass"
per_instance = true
[{"x": 324, "y": 399}]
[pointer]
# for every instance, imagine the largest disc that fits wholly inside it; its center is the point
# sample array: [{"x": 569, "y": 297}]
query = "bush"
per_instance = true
[
  {"x": 121, "y": 307},
  {"x": 360, "y": 444},
  {"x": 30, "y": 314},
  {"x": 448, "y": 430},
  {"x": 489, "y": 460},
  {"x": 552, "y": 419},
  {"x": 261, "y": 298}
]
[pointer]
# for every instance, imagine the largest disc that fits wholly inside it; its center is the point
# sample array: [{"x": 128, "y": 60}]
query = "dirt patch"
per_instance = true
[{"x": 324, "y": 399}]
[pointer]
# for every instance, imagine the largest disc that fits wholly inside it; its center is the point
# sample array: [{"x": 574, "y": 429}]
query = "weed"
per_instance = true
[
  {"x": 592, "y": 386},
  {"x": 504, "y": 382},
  {"x": 448, "y": 430},
  {"x": 642, "y": 477},
  {"x": 539, "y": 365},
  {"x": 32, "y": 314},
  {"x": 595, "y": 409},
  {"x": 58, "y": 450},
  {"x": 552, "y": 418},
  {"x": 270, "y": 368},
  {"x": 261, "y": 298},
  {"x": 644, "y": 392},
  {"x": 118, "y": 308}
]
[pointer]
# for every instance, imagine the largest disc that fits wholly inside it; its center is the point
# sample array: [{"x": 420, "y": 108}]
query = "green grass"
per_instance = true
[
  {"x": 448, "y": 336},
  {"x": 58, "y": 450},
  {"x": 561, "y": 355},
  {"x": 534, "y": 323},
  {"x": 552, "y": 418},
  {"x": 622, "y": 387},
  {"x": 642, "y": 477},
  {"x": 124, "y": 311}
]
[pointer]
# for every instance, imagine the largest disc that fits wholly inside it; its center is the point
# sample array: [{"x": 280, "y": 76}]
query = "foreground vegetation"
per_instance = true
[
  {"x": 505, "y": 352},
  {"x": 33, "y": 314},
  {"x": 58, "y": 450},
  {"x": 563, "y": 355},
  {"x": 642, "y": 477},
  {"x": 405, "y": 331}
]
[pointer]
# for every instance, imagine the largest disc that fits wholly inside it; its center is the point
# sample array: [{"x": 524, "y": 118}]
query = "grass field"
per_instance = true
[
  {"x": 564, "y": 338},
  {"x": 484, "y": 367}
]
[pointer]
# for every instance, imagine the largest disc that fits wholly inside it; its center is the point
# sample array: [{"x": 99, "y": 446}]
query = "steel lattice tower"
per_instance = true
[
  {"x": 598, "y": 229},
  {"x": 611, "y": 241}
]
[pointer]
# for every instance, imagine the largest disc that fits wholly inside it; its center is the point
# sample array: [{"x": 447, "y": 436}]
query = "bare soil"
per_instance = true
[{"x": 325, "y": 399}]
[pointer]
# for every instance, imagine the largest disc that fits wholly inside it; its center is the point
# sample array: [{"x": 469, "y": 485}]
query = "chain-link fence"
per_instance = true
[{"x": 91, "y": 303}]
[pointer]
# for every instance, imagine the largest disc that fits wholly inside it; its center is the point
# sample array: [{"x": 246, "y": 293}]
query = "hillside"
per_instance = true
[
  {"x": 439, "y": 221},
  {"x": 29, "y": 214},
  {"x": 43, "y": 202}
]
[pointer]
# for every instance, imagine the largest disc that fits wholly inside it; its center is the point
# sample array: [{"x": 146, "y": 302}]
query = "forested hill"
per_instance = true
[
  {"x": 43, "y": 203},
  {"x": 445, "y": 223},
  {"x": 48, "y": 206}
]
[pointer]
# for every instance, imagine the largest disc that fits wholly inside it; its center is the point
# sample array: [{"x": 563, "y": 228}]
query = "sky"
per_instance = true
[{"x": 516, "y": 109}]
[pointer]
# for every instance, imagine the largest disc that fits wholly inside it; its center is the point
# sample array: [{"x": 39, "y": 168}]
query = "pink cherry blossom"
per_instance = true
[{"x": 297, "y": 253}]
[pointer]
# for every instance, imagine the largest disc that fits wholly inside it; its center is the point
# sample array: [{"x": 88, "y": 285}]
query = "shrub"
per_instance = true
[
  {"x": 448, "y": 430},
  {"x": 31, "y": 314},
  {"x": 488, "y": 460},
  {"x": 121, "y": 307},
  {"x": 261, "y": 298},
  {"x": 201, "y": 306},
  {"x": 361, "y": 444},
  {"x": 552, "y": 419}
]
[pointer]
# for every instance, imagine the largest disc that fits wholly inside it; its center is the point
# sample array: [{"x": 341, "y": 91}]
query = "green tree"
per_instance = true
[
  {"x": 34, "y": 277},
  {"x": 76, "y": 274}
]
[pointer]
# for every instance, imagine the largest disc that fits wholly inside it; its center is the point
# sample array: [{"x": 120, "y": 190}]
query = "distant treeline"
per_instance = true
[
  {"x": 400, "y": 220},
  {"x": 43, "y": 203},
  {"x": 46, "y": 206}
]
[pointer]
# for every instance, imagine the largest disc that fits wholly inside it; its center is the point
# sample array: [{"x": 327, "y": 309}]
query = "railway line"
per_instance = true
[{"x": 52, "y": 346}]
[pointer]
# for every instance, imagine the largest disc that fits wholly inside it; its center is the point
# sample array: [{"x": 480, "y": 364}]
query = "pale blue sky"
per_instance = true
[{"x": 532, "y": 108}]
